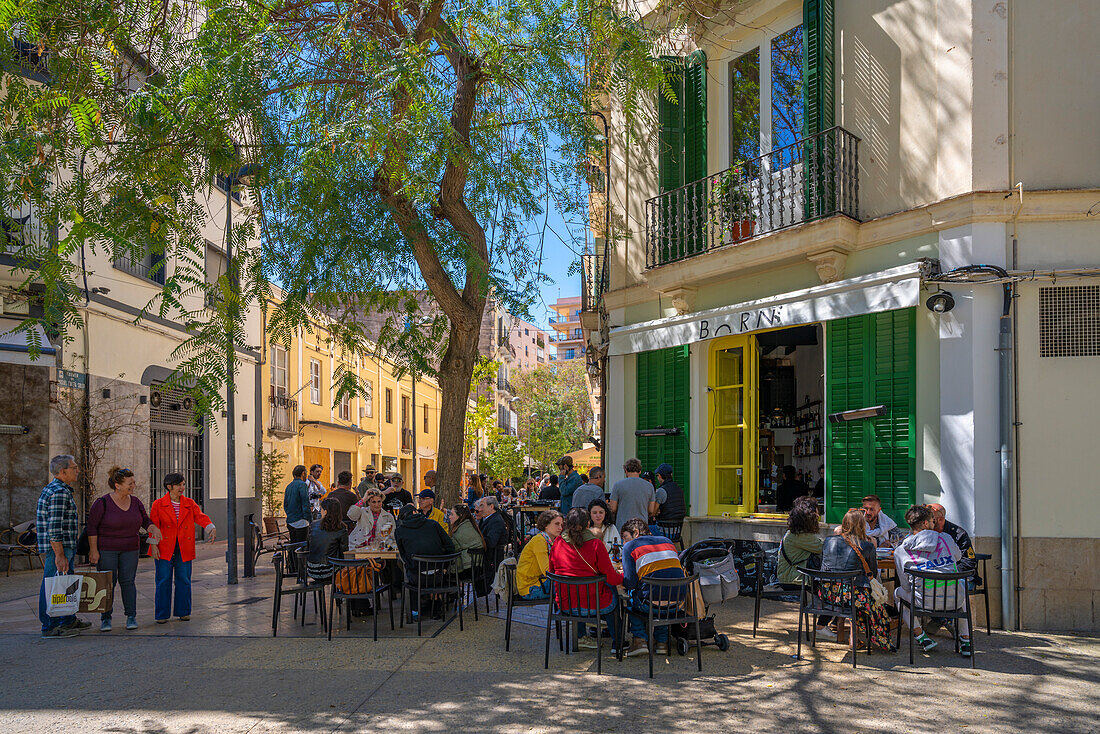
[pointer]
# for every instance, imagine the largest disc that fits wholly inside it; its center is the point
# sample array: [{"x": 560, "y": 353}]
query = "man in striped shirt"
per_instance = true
[{"x": 648, "y": 556}]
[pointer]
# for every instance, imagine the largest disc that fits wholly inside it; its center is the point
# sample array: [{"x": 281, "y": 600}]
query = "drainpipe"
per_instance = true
[{"x": 1004, "y": 437}]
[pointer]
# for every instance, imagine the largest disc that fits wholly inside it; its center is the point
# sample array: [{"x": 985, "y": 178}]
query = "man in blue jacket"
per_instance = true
[
  {"x": 296, "y": 506},
  {"x": 568, "y": 483}
]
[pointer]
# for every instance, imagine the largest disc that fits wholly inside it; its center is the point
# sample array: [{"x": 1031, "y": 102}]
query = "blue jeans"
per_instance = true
[
  {"x": 609, "y": 613},
  {"x": 49, "y": 568},
  {"x": 123, "y": 567},
  {"x": 542, "y": 591},
  {"x": 638, "y": 623},
  {"x": 163, "y": 598}
]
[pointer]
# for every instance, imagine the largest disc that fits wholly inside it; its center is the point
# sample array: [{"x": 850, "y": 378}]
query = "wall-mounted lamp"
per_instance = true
[
  {"x": 658, "y": 432},
  {"x": 854, "y": 415},
  {"x": 940, "y": 302},
  {"x": 13, "y": 430}
]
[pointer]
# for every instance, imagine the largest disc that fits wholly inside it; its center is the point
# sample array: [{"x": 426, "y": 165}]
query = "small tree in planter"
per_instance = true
[
  {"x": 271, "y": 464},
  {"x": 731, "y": 204}
]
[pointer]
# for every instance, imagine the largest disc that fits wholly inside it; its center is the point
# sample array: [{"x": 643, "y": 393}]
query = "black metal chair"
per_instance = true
[
  {"x": 299, "y": 589},
  {"x": 582, "y": 597},
  {"x": 812, "y": 604},
  {"x": 943, "y": 595},
  {"x": 476, "y": 578},
  {"x": 435, "y": 576},
  {"x": 12, "y": 544},
  {"x": 780, "y": 595},
  {"x": 674, "y": 603},
  {"x": 981, "y": 586},
  {"x": 377, "y": 589},
  {"x": 514, "y": 600},
  {"x": 673, "y": 531},
  {"x": 483, "y": 569}
]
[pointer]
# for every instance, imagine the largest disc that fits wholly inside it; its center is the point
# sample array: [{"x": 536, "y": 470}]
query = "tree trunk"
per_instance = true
[{"x": 455, "y": 372}]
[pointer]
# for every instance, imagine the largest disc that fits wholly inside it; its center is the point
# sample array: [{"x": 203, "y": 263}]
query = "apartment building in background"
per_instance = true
[
  {"x": 393, "y": 424},
  {"x": 568, "y": 338}
]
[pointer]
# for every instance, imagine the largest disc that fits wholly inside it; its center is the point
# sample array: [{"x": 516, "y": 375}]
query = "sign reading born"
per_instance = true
[{"x": 739, "y": 323}]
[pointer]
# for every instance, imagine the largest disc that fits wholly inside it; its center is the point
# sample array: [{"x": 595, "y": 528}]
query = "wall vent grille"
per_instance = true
[{"x": 1069, "y": 321}]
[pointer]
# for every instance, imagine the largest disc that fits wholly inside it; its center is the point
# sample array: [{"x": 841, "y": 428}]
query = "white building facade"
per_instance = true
[{"x": 797, "y": 286}]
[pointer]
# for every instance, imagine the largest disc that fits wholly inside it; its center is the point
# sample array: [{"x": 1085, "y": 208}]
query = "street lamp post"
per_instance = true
[{"x": 242, "y": 176}]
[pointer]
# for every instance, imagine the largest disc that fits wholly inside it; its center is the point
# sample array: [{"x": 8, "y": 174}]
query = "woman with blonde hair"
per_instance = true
[{"x": 851, "y": 549}]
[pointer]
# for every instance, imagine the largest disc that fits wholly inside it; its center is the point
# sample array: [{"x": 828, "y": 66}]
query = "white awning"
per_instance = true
[
  {"x": 884, "y": 291},
  {"x": 14, "y": 348}
]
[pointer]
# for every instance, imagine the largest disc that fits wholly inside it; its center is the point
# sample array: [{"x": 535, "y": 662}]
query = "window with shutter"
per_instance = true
[
  {"x": 870, "y": 360},
  {"x": 682, "y": 154},
  {"x": 663, "y": 402}
]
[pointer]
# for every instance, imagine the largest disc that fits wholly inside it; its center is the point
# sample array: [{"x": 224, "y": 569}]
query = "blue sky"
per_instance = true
[{"x": 557, "y": 257}]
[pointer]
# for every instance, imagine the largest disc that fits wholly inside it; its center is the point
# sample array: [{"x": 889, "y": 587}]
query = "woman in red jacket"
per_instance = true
[
  {"x": 577, "y": 552},
  {"x": 176, "y": 517}
]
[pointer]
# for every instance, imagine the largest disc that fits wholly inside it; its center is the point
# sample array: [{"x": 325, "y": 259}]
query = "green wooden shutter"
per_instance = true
[
  {"x": 817, "y": 65},
  {"x": 695, "y": 152},
  {"x": 663, "y": 399},
  {"x": 695, "y": 117},
  {"x": 893, "y": 384},
  {"x": 819, "y": 156},
  {"x": 870, "y": 360},
  {"x": 671, "y": 134}
]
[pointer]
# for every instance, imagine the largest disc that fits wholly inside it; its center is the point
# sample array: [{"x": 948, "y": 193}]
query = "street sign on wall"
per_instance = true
[{"x": 70, "y": 379}]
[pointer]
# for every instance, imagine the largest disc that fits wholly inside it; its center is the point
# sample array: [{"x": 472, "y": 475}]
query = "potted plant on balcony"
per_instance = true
[{"x": 731, "y": 204}]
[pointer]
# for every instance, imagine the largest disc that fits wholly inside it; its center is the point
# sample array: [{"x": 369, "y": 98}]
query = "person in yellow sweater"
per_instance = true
[
  {"x": 534, "y": 561},
  {"x": 426, "y": 502}
]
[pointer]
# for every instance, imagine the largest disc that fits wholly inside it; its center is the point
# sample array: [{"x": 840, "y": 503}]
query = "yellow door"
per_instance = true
[{"x": 732, "y": 455}]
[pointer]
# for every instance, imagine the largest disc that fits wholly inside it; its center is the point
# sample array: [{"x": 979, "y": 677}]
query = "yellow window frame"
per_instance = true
[{"x": 730, "y": 431}]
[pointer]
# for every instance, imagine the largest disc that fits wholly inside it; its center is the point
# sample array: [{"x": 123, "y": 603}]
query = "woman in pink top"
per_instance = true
[{"x": 579, "y": 553}]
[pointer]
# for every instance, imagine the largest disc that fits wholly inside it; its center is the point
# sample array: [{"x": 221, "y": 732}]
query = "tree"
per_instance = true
[
  {"x": 399, "y": 148},
  {"x": 556, "y": 414},
  {"x": 272, "y": 467},
  {"x": 504, "y": 457}
]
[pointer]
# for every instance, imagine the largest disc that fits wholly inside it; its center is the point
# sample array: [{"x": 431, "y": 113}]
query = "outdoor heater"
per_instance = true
[
  {"x": 845, "y": 416},
  {"x": 658, "y": 432}
]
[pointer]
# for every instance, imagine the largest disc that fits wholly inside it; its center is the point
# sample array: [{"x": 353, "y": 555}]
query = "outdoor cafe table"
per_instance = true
[{"x": 380, "y": 555}]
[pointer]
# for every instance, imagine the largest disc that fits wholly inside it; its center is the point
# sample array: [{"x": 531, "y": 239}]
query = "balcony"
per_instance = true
[
  {"x": 22, "y": 232},
  {"x": 813, "y": 178},
  {"x": 284, "y": 416},
  {"x": 505, "y": 385},
  {"x": 594, "y": 281}
]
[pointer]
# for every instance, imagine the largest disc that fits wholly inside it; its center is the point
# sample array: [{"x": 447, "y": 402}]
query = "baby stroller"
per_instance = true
[{"x": 713, "y": 560}]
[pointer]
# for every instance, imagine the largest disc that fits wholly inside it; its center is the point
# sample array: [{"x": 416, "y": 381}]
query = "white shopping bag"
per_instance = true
[{"x": 63, "y": 595}]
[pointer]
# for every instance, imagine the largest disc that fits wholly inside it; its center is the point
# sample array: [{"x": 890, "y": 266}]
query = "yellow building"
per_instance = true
[{"x": 397, "y": 426}]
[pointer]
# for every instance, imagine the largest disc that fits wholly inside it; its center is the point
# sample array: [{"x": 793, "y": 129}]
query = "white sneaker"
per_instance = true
[{"x": 824, "y": 633}]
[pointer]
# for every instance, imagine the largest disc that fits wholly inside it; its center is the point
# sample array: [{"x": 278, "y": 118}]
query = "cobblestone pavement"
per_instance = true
[{"x": 222, "y": 671}]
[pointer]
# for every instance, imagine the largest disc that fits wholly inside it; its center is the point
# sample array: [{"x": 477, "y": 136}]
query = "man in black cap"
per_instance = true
[
  {"x": 425, "y": 502},
  {"x": 671, "y": 507}
]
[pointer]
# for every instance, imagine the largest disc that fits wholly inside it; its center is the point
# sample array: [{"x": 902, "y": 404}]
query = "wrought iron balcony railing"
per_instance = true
[
  {"x": 813, "y": 178},
  {"x": 594, "y": 280},
  {"x": 284, "y": 416}
]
